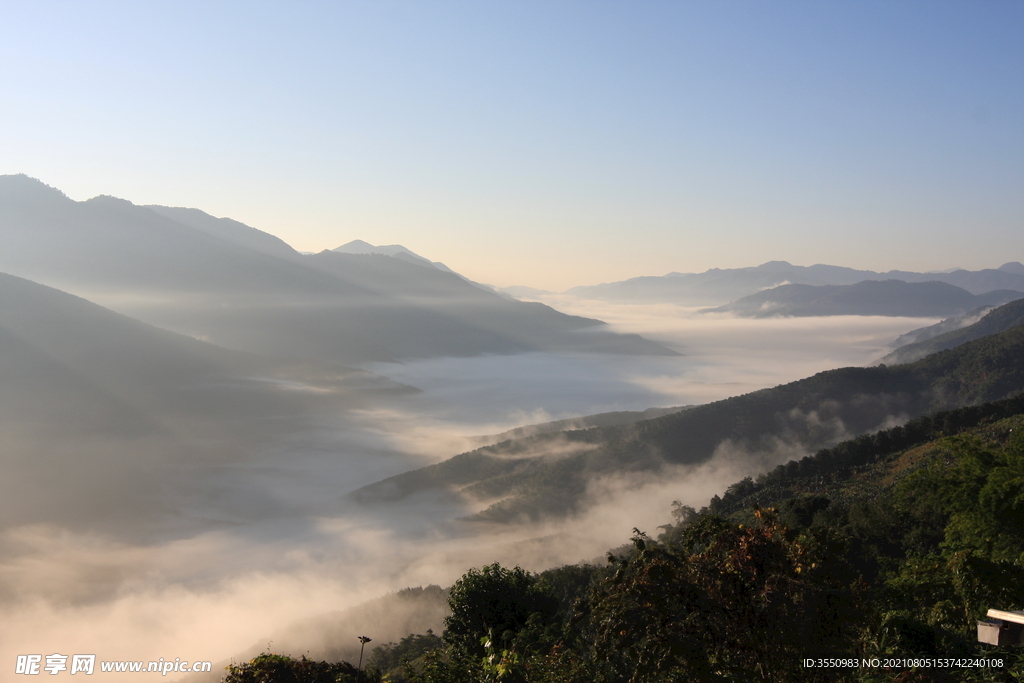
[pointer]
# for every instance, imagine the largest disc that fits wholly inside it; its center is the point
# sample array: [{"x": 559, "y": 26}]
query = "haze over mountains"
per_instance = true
[
  {"x": 219, "y": 280},
  {"x": 952, "y": 332},
  {"x": 103, "y": 416},
  {"x": 528, "y": 478},
  {"x": 221, "y": 428},
  {"x": 396, "y": 250},
  {"x": 723, "y": 285},
  {"x": 870, "y": 297}
]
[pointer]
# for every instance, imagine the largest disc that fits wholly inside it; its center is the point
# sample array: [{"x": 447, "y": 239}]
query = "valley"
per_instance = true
[{"x": 223, "y": 421}]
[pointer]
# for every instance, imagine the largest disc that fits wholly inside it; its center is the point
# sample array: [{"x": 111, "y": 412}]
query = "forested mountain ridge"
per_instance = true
[
  {"x": 880, "y": 553},
  {"x": 860, "y": 469},
  {"x": 547, "y": 475},
  {"x": 943, "y": 326},
  {"x": 996, "y": 320}
]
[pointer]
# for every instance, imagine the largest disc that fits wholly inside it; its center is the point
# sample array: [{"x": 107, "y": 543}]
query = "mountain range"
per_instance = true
[
  {"x": 870, "y": 297},
  {"x": 221, "y": 281},
  {"x": 548, "y": 475},
  {"x": 720, "y": 286}
]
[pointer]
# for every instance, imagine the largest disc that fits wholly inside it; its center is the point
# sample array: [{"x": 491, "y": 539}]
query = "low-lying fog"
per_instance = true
[{"x": 249, "y": 546}]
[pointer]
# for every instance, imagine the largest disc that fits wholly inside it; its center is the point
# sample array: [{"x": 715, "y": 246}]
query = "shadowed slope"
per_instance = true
[
  {"x": 548, "y": 475},
  {"x": 101, "y": 413},
  {"x": 995, "y": 321},
  {"x": 222, "y": 281},
  {"x": 888, "y": 297}
]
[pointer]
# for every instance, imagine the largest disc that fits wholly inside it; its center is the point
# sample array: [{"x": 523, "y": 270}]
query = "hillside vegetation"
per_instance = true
[
  {"x": 547, "y": 475},
  {"x": 881, "y": 553},
  {"x": 995, "y": 321}
]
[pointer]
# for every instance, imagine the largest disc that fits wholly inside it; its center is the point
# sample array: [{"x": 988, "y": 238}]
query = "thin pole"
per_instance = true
[{"x": 359, "y": 670}]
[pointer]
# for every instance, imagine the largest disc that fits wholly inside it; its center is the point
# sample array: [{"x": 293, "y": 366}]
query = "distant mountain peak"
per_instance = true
[
  {"x": 27, "y": 187},
  {"x": 1015, "y": 267},
  {"x": 350, "y": 247},
  {"x": 109, "y": 200},
  {"x": 362, "y": 247},
  {"x": 393, "y": 250}
]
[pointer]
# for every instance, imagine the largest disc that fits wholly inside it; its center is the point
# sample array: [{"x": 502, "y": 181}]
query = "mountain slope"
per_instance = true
[
  {"x": 871, "y": 297},
  {"x": 994, "y": 321},
  {"x": 548, "y": 475},
  {"x": 956, "y": 322},
  {"x": 860, "y": 469},
  {"x": 221, "y": 281},
  {"x": 103, "y": 414},
  {"x": 228, "y": 230}
]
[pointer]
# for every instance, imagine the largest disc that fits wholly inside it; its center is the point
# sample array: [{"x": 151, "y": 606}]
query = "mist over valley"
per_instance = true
[{"x": 267, "y": 436}]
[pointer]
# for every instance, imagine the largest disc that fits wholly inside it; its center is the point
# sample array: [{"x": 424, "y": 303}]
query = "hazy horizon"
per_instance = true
[
  {"x": 180, "y": 441},
  {"x": 538, "y": 144},
  {"x": 539, "y": 296},
  {"x": 151, "y": 476}
]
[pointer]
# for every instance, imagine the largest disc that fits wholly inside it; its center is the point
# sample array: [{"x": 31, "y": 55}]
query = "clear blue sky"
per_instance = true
[{"x": 542, "y": 143}]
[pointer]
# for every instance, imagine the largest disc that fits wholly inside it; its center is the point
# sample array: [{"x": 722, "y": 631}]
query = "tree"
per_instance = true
[
  {"x": 493, "y": 602},
  {"x": 271, "y": 668},
  {"x": 725, "y": 601}
]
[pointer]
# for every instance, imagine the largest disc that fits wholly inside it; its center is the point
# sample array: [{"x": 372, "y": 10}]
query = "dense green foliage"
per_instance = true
[
  {"x": 888, "y": 546},
  {"x": 496, "y": 602},
  {"x": 837, "y": 470},
  {"x": 271, "y": 668},
  {"x": 390, "y": 657}
]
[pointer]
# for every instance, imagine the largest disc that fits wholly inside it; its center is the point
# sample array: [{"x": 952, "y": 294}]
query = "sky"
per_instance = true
[{"x": 548, "y": 144}]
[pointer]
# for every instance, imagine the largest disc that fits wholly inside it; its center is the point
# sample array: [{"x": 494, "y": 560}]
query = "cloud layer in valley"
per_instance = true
[{"x": 268, "y": 539}]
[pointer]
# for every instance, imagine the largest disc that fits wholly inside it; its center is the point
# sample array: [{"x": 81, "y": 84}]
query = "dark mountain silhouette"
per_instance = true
[
  {"x": 548, "y": 475},
  {"x": 222, "y": 281},
  {"x": 886, "y": 297},
  {"x": 719, "y": 286}
]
